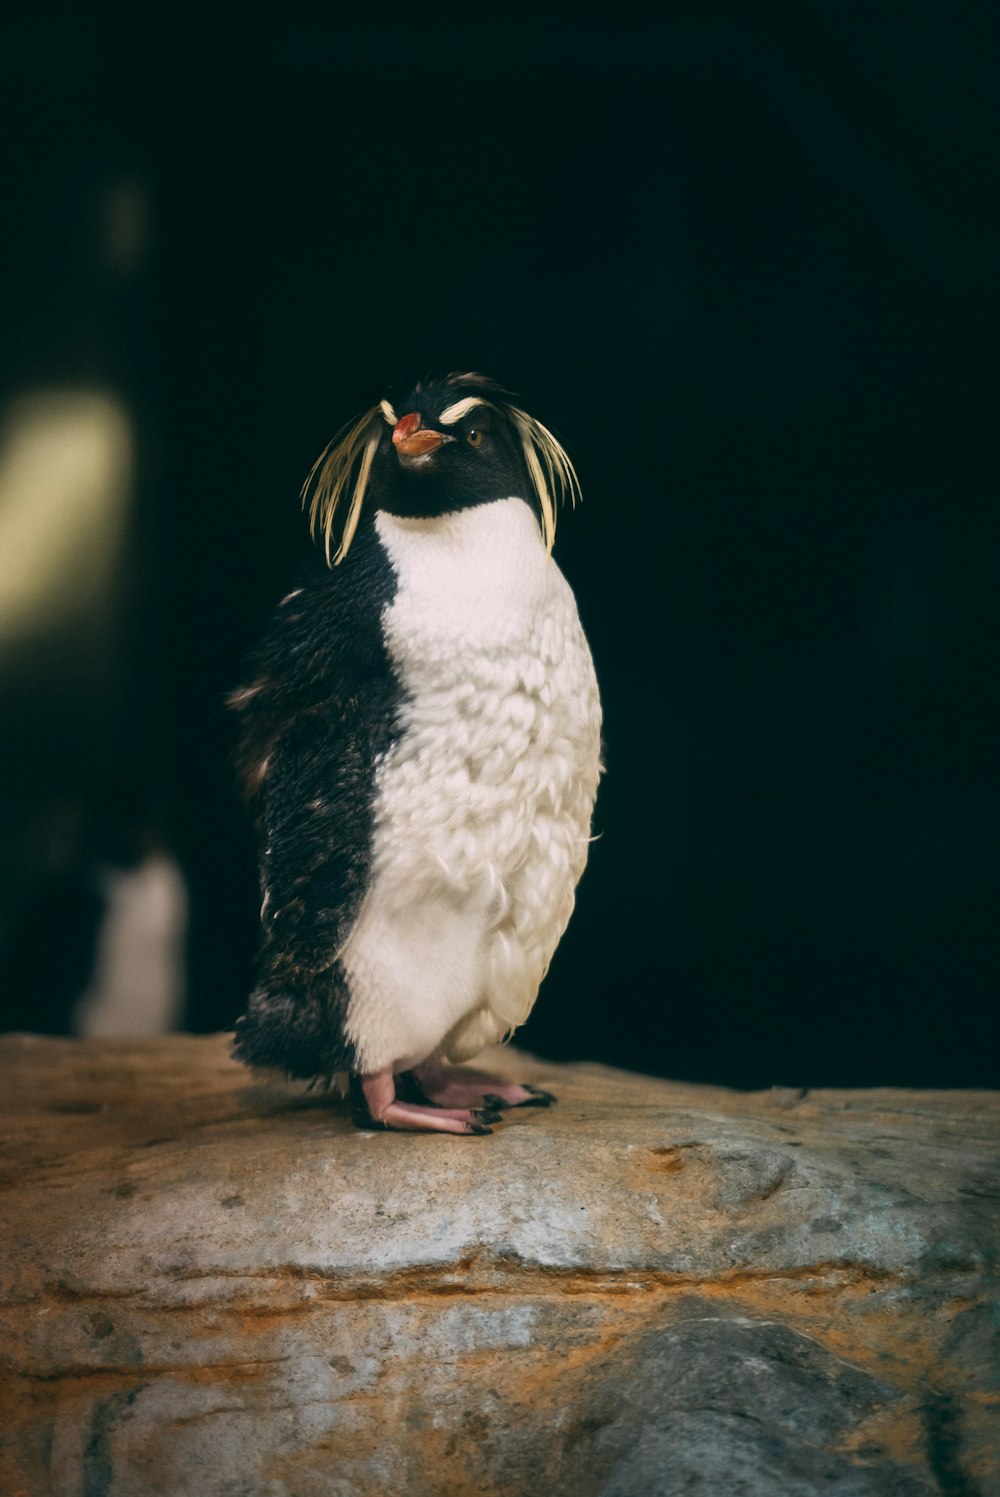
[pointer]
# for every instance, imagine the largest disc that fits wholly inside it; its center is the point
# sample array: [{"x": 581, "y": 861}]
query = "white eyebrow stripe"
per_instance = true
[
  {"x": 388, "y": 412},
  {"x": 459, "y": 409}
]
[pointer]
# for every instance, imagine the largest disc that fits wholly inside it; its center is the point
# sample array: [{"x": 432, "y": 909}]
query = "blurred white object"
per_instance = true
[{"x": 138, "y": 982}]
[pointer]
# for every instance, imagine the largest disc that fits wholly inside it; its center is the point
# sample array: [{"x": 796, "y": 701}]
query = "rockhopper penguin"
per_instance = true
[{"x": 420, "y": 746}]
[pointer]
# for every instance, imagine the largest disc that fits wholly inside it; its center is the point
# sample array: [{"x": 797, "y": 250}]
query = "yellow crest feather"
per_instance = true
[
  {"x": 345, "y": 465},
  {"x": 552, "y": 474}
]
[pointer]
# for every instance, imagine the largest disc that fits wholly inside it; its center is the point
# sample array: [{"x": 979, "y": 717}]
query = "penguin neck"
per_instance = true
[
  {"x": 468, "y": 525},
  {"x": 496, "y": 541},
  {"x": 476, "y": 569}
]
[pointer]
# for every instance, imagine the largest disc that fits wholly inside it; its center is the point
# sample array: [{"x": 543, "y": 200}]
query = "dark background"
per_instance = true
[{"x": 741, "y": 258}]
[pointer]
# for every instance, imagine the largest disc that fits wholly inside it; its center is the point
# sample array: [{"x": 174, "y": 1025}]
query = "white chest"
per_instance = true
[
  {"x": 484, "y": 802},
  {"x": 501, "y": 714},
  {"x": 479, "y": 578}
]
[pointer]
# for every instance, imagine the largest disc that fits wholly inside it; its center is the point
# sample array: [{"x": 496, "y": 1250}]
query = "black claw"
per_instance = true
[
  {"x": 479, "y": 1128},
  {"x": 538, "y": 1098},
  {"x": 497, "y": 1104},
  {"x": 486, "y": 1114}
]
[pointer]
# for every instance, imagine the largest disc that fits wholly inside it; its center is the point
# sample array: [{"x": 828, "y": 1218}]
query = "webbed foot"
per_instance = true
[
  {"x": 454, "y": 1086},
  {"x": 535, "y": 1098},
  {"x": 375, "y": 1105}
]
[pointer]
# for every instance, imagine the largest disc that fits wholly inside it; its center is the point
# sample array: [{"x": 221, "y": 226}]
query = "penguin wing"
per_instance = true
[
  {"x": 317, "y": 825},
  {"x": 318, "y": 712}
]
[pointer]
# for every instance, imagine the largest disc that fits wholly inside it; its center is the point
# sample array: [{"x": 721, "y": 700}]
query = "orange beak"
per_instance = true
[{"x": 411, "y": 441}]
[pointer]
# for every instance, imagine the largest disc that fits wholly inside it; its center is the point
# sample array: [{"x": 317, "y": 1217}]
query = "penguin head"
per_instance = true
[
  {"x": 448, "y": 446},
  {"x": 440, "y": 446}
]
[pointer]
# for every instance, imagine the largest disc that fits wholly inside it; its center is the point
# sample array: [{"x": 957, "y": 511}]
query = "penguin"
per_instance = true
[{"x": 419, "y": 745}]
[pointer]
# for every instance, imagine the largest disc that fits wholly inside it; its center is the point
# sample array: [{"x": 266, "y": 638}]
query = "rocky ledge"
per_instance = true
[{"x": 221, "y": 1288}]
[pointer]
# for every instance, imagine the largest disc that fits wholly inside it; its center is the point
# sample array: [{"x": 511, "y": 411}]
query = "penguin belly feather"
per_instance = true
[{"x": 483, "y": 799}]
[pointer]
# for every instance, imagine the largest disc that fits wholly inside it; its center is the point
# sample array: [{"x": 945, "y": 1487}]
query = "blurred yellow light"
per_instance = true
[{"x": 66, "y": 465}]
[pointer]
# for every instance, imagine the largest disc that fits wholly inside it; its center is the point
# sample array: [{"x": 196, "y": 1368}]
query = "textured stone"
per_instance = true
[{"x": 220, "y": 1287}]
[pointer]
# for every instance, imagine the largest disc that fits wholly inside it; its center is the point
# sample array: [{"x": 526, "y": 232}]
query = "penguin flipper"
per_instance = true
[
  {"x": 319, "y": 710},
  {"x": 298, "y": 1030},
  {"x": 314, "y": 866},
  {"x": 316, "y": 816}
]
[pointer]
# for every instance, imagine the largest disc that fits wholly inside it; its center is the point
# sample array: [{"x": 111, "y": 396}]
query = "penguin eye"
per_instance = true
[{"x": 475, "y": 439}]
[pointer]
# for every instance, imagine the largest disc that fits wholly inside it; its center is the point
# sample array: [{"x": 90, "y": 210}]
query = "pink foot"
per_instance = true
[
  {"x": 374, "y": 1105},
  {"x": 460, "y": 1086}
]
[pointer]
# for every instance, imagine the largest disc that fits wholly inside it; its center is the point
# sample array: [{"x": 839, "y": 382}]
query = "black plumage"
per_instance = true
[{"x": 318, "y": 709}]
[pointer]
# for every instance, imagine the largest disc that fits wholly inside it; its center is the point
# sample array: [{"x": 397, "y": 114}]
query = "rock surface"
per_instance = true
[{"x": 219, "y": 1287}]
